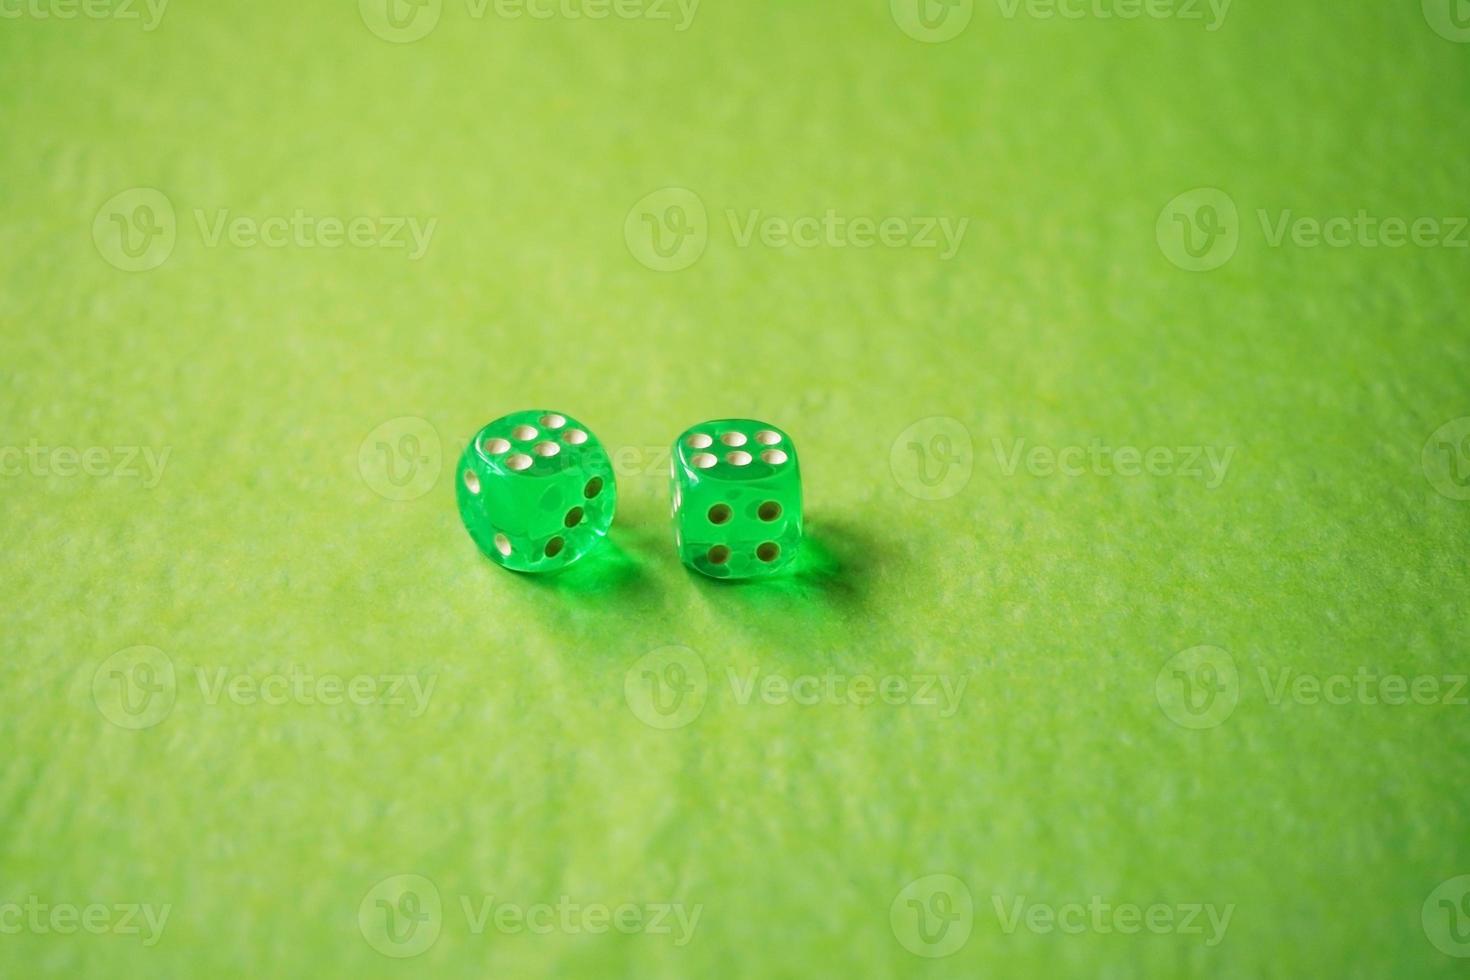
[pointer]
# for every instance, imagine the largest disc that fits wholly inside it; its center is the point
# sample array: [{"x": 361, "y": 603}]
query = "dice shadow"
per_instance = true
[
  {"x": 829, "y": 583},
  {"x": 587, "y": 607},
  {"x": 633, "y": 576},
  {"x": 608, "y": 571},
  {"x": 795, "y": 617}
]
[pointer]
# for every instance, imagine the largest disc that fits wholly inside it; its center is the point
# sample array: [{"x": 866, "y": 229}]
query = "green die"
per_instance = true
[
  {"x": 535, "y": 491},
  {"x": 736, "y": 498}
]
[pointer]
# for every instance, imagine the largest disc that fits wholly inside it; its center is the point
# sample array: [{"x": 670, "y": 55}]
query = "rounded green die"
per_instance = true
[
  {"x": 736, "y": 490},
  {"x": 535, "y": 490}
]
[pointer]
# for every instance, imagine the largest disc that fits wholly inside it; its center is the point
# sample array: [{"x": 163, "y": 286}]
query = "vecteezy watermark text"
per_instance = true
[
  {"x": 1201, "y": 230},
  {"x": 1199, "y": 688},
  {"x": 98, "y": 918},
  {"x": 1207, "y": 463},
  {"x": 403, "y": 915},
  {"x": 138, "y": 687},
  {"x": 1364, "y": 686},
  {"x": 667, "y": 688},
  {"x": 302, "y": 230},
  {"x": 300, "y": 686},
  {"x": 143, "y": 463},
  {"x": 933, "y": 916},
  {"x": 939, "y": 691},
  {"x": 937, "y": 21},
  {"x": 570, "y": 917},
  {"x": 669, "y": 229},
  {"x": 833, "y": 230},
  {"x": 1096, "y": 915},
  {"x": 136, "y": 230},
  {"x": 1211, "y": 13},
  {"x": 149, "y": 12},
  {"x": 406, "y": 21},
  {"x": 1362, "y": 230},
  {"x": 678, "y": 12}
]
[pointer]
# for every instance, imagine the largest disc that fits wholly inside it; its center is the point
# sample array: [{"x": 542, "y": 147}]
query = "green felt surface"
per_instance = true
[{"x": 293, "y": 529}]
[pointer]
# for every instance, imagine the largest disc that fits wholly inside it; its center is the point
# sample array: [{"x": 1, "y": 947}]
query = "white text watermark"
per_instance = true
[
  {"x": 1209, "y": 464},
  {"x": 34, "y": 916},
  {"x": 142, "y": 463},
  {"x": 148, "y": 13}
]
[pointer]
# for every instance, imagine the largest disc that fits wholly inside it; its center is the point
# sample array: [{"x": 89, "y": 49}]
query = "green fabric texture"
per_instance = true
[{"x": 1134, "y": 458}]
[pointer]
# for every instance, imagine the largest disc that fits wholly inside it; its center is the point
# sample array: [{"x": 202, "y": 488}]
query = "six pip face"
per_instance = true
[
  {"x": 736, "y": 490},
  {"x": 535, "y": 490}
]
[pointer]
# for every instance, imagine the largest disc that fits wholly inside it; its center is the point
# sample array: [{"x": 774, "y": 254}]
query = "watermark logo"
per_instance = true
[
  {"x": 668, "y": 230},
  {"x": 148, "y": 12},
  {"x": 1450, "y": 19},
  {"x": 135, "y": 688},
  {"x": 834, "y": 230},
  {"x": 135, "y": 230},
  {"x": 932, "y": 916},
  {"x": 406, "y": 21},
  {"x": 942, "y": 692},
  {"x": 570, "y": 917},
  {"x": 1365, "y": 686},
  {"x": 641, "y": 462},
  {"x": 143, "y": 463},
  {"x": 933, "y": 458},
  {"x": 407, "y": 233},
  {"x": 1100, "y": 916},
  {"x": 1446, "y": 917},
  {"x": 1199, "y": 231},
  {"x": 138, "y": 688},
  {"x": 400, "y": 459},
  {"x": 404, "y": 915},
  {"x": 1211, "y": 13},
  {"x": 401, "y": 916},
  {"x": 1208, "y": 464},
  {"x": 1198, "y": 688},
  {"x": 1446, "y": 459},
  {"x": 667, "y": 687},
  {"x": 300, "y": 686},
  {"x": 67, "y": 918},
  {"x": 400, "y": 21},
  {"x": 1362, "y": 230},
  {"x": 932, "y": 21}
]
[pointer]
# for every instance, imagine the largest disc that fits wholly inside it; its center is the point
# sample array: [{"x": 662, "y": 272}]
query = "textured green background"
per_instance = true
[{"x": 266, "y": 545}]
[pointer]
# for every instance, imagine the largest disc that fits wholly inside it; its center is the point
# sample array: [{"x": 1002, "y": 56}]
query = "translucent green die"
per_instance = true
[
  {"x": 737, "y": 498},
  {"x": 535, "y": 490}
]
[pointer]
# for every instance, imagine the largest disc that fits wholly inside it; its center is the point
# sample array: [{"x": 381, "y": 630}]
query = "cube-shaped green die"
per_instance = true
[
  {"x": 736, "y": 498},
  {"x": 535, "y": 490}
]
